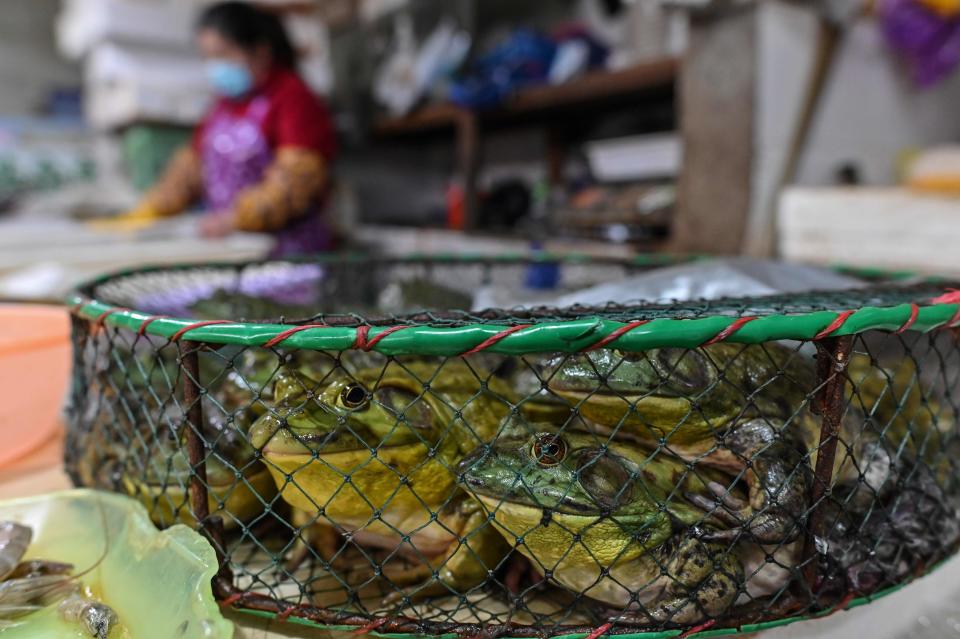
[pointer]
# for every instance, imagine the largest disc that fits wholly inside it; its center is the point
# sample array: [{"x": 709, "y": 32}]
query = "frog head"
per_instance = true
[
  {"x": 347, "y": 414},
  {"x": 655, "y": 387},
  {"x": 544, "y": 485},
  {"x": 354, "y": 445},
  {"x": 700, "y": 389}
]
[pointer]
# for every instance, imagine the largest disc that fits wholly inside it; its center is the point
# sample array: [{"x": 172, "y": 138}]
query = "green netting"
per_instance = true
[{"x": 393, "y": 465}]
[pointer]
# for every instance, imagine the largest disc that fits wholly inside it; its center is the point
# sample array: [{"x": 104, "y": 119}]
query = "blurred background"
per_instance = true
[{"x": 819, "y": 131}]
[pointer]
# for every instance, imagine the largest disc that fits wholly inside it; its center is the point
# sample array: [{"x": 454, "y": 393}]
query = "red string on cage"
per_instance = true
[
  {"x": 952, "y": 296},
  {"x": 600, "y": 631},
  {"x": 914, "y": 313},
  {"x": 97, "y": 323},
  {"x": 617, "y": 334},
  {"x": 730, "y": 330},
  {"x": 493, "y": 339},
  {"x": 953, "y": 320},
  {"x": 280, "y": 337},
  {"x": 147, "y": 322},
  {"x": 232, "y": 599},
  {"x": 842, "y": 604},
  {"x": 186, "y": 329},
  {"x": 370, "y": 627},
  {"x": 285, "y": 614},
  {"x": 706, "y": 625},
  {"x": 364, "y": 343},
  {"x": 837, "y": 322}
]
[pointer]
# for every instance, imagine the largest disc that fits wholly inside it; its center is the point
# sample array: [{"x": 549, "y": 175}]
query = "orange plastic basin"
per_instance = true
[{"x": 34, "y": 371}]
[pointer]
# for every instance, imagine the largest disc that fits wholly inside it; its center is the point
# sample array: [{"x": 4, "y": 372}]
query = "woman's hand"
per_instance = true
[{"x": 217, "y": 224}]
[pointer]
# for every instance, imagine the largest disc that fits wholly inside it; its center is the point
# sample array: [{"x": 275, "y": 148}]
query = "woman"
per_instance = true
[{"x": 260, "y": 157}]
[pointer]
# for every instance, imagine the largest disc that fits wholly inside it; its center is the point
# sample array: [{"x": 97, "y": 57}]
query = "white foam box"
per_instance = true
[
  {"x": 125, "y": 84},
  {"x": 636, "y": 157},
  {"x": 891, "y": 228},
  {"x": 82, "y": 24}
]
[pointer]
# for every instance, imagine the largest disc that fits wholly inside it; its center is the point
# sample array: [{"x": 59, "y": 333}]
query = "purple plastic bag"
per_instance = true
[{"x": 929, "y": 42}]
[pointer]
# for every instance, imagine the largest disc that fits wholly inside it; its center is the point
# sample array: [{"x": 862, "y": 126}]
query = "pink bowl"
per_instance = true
[{"x": 34, "y": 372}]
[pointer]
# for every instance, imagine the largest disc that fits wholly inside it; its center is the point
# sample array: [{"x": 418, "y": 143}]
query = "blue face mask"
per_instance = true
[{"x": 229, "y": 79}]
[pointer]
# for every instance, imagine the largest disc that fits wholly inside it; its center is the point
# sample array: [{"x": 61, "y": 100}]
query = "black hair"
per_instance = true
[{"x": 250, "y": 27}]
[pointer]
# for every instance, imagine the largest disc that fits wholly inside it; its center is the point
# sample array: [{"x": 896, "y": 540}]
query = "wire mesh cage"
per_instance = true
[{"x": 656, "y": 470}]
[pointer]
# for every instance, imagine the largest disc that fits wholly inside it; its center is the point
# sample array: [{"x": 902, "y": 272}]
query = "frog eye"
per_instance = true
[
  {"x": 354, "y": 396},
  {"x": 549, "y": 449}
]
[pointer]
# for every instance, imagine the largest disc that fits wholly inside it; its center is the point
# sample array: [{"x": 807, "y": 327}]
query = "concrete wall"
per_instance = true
[
  {"x": 29, "y": 63},
  {"x": 869, "y": 115}
]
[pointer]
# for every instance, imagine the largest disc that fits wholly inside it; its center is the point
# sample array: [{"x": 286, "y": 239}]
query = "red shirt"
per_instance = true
[{"x": 296, "y": 117}]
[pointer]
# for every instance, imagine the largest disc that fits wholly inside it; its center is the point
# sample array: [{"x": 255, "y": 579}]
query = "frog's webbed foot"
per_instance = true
[
  {"x": 770, "y": 526},
  {"x": 699, "y": 582},
  {"x": 728, "y": 509},
  {"x": 471, "y": 558},
  {"x": 778, "y": 478},
  {"x": 686, "y": 604}
]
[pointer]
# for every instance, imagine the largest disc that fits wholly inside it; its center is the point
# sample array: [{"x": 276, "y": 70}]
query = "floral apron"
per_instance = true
[{"x": 236, "y": 155}]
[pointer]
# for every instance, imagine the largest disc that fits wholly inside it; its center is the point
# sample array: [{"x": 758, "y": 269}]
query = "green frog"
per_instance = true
[
  {"x": 238, "y": 486},
  {"x": 740, "y": 409},
  {"x": 909, "y": 412},
  {"x": 615, "y": 522},
  {"x": 375, "y": 455},
  {"x": 136, "y": 441}
]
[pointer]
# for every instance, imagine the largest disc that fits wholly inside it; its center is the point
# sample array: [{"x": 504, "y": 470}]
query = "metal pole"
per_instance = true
[{"x": 833, "y": 356}]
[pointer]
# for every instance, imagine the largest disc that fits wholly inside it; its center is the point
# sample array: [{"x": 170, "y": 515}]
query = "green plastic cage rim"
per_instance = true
[
  {"x": 661, "y": 634},
  {"x": 566, "y": 335},
  {"x": 554, "y": 336}
]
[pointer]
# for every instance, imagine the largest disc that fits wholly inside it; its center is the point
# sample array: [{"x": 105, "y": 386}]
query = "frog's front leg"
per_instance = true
[
  {"x": 476, "y": 549},
  {"x": 778, "y": 478}
]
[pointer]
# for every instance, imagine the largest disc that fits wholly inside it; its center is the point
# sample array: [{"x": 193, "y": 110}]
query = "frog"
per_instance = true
[
  {"x": 722, "y": 406},
  {"x": 238, "y": 486},
  {"x": 614, "y": 521},
  {"x": 909, "y": 413},
  {"x": 725, "y": 405},
  {"x": 137, "y": 445},
  {"x": 900, "y": 534},
  {"x": 374, "y": 454}
]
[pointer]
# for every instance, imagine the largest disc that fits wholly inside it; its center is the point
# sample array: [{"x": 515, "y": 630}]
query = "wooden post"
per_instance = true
[
  {"x": 194, "y": 440},
  {"x": 717, "y": 96},
  {"x": 833, "y": 357},
  {"x": 210, "y": 527},
  {"x": 468, "y": 162}
]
